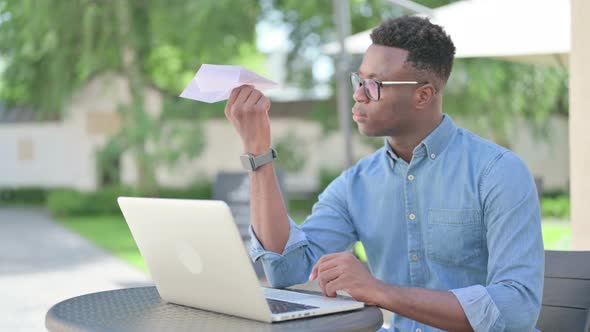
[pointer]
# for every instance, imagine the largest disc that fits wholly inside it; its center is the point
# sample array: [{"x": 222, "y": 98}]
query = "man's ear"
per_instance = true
[{"x": 424, "y": 95}]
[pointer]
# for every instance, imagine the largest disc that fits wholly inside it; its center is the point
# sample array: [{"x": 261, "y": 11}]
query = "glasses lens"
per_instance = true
[
  {"x": 372, "y": 89},
  {"x": 355, "y": 80}
]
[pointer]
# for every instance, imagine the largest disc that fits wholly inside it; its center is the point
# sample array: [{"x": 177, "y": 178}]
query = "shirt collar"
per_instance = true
[
  {"x": 439, "y": 138},
  {"x": 434, "y": 143},
  {"x": 389, "y": 151}
]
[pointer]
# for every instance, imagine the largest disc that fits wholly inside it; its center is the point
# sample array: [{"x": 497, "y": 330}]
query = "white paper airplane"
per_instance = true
[{"x": 214, "y": 83}]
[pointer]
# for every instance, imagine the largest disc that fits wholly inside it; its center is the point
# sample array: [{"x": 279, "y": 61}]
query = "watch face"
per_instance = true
[{"x": 247, "y": 162}]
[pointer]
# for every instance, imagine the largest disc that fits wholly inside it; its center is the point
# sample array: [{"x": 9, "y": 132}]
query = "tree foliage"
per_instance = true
[
  {"x": 494, "y": 95},
  {"x": 490, "y": 93},
  {"x": 50, "y": 48}
]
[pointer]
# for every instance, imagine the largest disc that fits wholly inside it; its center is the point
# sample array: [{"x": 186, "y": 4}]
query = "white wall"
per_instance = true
[
  {"x": 224, "y": 148},
  {"x": 59, "y": 157},
  {"x": 546, "y": 155},
  {"x": 546, "y": 158},
  {"x": 579, "y": 125},
  {"x": 64, "y": 153}
]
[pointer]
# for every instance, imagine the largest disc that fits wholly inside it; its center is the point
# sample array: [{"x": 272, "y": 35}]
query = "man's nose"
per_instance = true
[{"x": 359, "y": 95}]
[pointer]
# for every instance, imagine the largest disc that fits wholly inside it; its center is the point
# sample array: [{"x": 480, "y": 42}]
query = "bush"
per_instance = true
[
  {"x": 557, "y": 206},
  {"x": 69, "y": 202},
  {"x": 23, "y": 195},
  {"x": 201, "y": 190},
  {"x": 326, "y": 177},
  {"x": 302, "y": 205},
  {"x": 65, "y": 202}
]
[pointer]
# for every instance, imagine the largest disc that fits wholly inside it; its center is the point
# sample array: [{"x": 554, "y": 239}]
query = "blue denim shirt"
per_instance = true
[{"x": 462, "y": 216}]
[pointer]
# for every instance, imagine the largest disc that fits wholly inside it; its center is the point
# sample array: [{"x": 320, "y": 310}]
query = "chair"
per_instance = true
[
  {"x": 234, "y": 189},
  {"x": 566, "y": 294}
]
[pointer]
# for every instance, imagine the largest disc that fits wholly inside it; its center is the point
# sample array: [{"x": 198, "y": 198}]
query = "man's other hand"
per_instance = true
[{"x": 343, "y": 271}]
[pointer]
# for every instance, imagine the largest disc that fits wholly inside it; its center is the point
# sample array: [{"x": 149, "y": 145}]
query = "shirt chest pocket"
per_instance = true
[{"x": 454, "y": 237}]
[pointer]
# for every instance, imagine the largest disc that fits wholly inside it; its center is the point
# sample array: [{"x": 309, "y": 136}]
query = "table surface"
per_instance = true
[{"x": 142, "y": 309}]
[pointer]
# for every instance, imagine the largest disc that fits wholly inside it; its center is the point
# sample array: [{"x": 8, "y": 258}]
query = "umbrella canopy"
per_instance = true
[{"x": 529, "y": 31}]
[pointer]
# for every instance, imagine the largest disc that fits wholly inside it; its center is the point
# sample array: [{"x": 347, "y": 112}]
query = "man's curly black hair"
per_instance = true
[{"x": 429, "y": 47}]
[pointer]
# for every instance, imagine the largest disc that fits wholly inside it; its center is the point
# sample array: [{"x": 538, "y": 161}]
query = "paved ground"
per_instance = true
[{"x": 42, "y": 263}]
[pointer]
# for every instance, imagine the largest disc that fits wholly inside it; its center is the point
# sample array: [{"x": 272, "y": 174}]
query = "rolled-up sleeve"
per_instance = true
[
  {"x": 285, "y": 269},
  {"x": 296, "y": 239},
  {"x": 328, "y": 229},
  {"x": 511, "y": 298}
]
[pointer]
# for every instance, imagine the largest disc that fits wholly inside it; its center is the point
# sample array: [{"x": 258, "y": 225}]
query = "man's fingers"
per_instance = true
[
  {"x": 320, "y": 263},
  {"x": 329, "y": 265},
  {"x": 234, "y": 94},
  {"x": 332, "y": 286},
  {"x": 253, "y": 98},
  {"x": 263, "y": 103},
  {"x": 314, "y": 271},
  {"x": 325, "y": 277},
  {"x": 245, "y": 92},
  {"x": 231, "y": 101}
]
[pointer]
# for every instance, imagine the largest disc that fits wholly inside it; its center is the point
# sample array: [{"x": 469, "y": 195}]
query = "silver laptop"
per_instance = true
[{"x": 196, "y": 258}]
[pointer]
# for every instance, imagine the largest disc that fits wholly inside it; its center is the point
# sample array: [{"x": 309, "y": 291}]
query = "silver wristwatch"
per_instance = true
[{"x": 252, "y": 162}]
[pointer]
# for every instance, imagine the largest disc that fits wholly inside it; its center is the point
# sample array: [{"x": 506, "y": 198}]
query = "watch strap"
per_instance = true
[
  {"x": 265, "y": 158},
  {"x": 251, "y": 162}
]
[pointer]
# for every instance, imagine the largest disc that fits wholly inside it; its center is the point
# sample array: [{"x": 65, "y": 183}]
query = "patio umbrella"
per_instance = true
[{"x": 529, "y": 31}]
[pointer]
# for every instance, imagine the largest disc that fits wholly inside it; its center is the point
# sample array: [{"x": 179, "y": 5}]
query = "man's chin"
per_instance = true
[{"x": 368, "y": 132}]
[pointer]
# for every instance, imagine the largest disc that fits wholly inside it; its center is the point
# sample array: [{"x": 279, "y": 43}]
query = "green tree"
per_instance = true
[
  {"x": 291, "y": 158},
  {"x": 489, "y": 93},
  {"x": 493, "y": 95},
  {"x": 50, "y": 48}
]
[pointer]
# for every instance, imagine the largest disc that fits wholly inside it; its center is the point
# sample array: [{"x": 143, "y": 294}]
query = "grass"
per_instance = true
[
  {"x": 112, "y": 234},
  {"x": 557, "y": 235}
]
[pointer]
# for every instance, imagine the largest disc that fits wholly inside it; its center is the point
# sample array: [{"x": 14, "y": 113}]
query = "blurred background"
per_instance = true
[{"x": 89, "y": 111}]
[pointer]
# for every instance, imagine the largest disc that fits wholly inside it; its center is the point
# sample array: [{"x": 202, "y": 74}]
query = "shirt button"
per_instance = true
[
  {"x": 433, "y": 156},
  {"x": 412, "y": 216},
  {"x": 411, "y": 177},
  {"x": 414, "y": 257},
  {"x": 418, "y": 330}
]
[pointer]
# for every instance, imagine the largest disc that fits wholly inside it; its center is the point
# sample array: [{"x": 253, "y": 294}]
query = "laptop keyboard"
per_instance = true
[{"x": 279, "y": 307}]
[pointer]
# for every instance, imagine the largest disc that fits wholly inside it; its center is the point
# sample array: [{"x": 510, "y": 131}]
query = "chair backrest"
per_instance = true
[
  {"x": 234, "y": 189},
  {"x": 566, "y": 294}
]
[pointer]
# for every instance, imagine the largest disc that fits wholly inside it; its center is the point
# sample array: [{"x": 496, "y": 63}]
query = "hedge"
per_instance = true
[{"x": 69, "y": 202}]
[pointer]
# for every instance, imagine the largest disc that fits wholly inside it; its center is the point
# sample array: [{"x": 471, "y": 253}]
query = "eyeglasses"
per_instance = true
[{"x": 373, "y": 87}]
